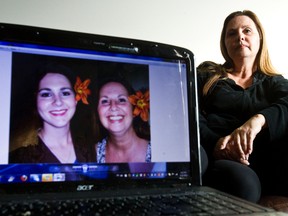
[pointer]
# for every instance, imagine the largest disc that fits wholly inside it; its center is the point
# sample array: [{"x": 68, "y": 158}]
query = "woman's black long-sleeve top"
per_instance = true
[{"x": 227, "y": 106}]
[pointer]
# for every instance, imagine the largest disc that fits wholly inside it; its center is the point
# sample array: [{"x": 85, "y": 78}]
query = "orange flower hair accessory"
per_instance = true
[
  {"x": 81, "y": 89},
  {"x": 141, "y": 104}
]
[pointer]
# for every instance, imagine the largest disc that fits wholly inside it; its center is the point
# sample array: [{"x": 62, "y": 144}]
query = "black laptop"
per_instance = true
[{"x": 168, "y": 184}]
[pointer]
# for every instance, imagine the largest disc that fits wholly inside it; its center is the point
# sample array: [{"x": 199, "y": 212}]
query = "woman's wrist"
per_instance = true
[{"x": 260, "y": 119}]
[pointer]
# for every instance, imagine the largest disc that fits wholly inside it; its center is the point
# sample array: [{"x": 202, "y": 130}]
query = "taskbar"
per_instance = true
[{"x": 15, "y": 173}]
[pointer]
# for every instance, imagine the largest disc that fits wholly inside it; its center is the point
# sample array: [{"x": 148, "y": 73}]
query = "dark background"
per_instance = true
[{"x": 24, "y": 120}]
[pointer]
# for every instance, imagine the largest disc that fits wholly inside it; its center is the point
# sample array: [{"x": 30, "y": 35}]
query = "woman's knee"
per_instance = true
[
  {"x": 204, "y": 160},
  {"x": 234, "y": 178}
]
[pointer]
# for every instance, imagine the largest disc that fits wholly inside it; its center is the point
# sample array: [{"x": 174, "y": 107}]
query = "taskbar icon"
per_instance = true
[{"x": 48, "y": 177}]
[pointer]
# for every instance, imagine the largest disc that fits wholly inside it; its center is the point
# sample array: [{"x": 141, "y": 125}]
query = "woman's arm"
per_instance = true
[
  {"x": 239, "y": 144},
  {"x": 276, "y": 114}
]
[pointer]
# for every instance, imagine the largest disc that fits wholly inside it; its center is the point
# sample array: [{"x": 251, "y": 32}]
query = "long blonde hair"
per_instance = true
[{"x": 262, "y": 62}]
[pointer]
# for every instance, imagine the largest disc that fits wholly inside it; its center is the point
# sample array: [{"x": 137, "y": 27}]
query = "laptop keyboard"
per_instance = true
[{"x": 169, "y": 204}]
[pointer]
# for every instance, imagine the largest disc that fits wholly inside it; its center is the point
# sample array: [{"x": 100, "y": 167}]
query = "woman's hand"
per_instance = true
[
  {"x": 239, "y": 144},
  {"x": 227, "y": 149}
]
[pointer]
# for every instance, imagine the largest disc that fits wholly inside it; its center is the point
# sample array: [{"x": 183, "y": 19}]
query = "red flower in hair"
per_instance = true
[
  {"x": 141, "y": 104},
  {"x": 81, "y": 89}
]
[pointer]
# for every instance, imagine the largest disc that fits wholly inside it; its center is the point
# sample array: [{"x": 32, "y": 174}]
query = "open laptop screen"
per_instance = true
[{"x": 159, "y": 99}]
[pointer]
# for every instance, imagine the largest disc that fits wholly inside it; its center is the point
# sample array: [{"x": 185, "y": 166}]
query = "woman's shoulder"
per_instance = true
[
  {"x": 26, "y": 154},
  {"x": 209, "y": 66},
  {"x": 148, "y": 152},
  {"x": 101, "y": 143},
  {"x": 101, "y": 146},
  {"x": 206, "y": 64},
  {"x": 101, "y": 150},
  {"x": 208, "y": 69},
  {"x": 277, "y": 78}
]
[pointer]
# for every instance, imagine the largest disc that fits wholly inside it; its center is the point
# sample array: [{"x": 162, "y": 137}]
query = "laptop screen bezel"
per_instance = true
[{"x": 11, "y": 33}]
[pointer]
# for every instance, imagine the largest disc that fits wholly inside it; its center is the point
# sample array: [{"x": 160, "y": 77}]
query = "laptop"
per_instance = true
[{"x": 169, "y": 183}]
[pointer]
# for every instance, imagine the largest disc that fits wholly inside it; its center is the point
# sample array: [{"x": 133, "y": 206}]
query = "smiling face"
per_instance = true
[
  {"x": 114, "y": 108},
  {"x": 242, "y": 38},
  {"x": 56, "y": 102}
]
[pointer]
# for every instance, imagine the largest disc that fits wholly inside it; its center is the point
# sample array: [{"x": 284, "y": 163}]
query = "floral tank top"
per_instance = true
[{"x": 101, "y": 151}]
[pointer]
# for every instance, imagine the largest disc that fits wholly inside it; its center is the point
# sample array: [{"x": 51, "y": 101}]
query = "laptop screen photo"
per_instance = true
[{"x": 159, "y": 106}]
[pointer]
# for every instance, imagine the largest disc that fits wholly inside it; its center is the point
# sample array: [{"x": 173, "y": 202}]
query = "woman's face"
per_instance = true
[
  {"x": 242, "y": 38},
  {"x": 114, "y": 108},
  {"x": 56, "y": 102}
]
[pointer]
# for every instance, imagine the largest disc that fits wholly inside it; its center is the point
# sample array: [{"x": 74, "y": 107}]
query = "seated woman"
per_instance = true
[
  {"x": 122, "y": 133},
  {"x": 243, "y": 106}
]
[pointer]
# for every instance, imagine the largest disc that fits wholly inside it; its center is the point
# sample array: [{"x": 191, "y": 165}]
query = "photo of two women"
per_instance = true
[{"x": 70, "y": 110}]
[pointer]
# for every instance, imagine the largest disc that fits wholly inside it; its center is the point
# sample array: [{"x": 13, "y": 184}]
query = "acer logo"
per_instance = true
[{"x": 84, "y": 187}]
